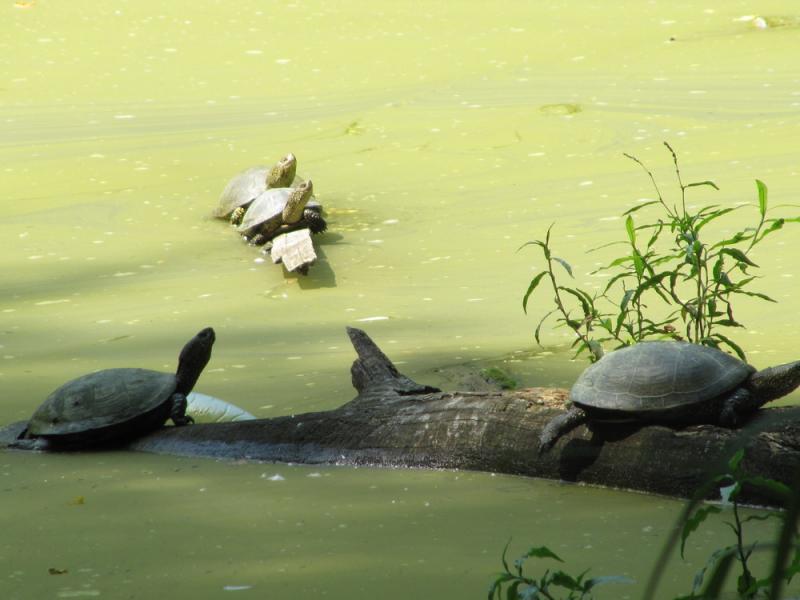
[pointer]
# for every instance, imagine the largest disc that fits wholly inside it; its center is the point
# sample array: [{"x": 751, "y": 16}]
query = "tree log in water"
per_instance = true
[{"x": 394, "y": 421}]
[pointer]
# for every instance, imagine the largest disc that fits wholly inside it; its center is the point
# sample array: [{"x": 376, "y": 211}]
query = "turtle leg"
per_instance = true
[
  {"x": 178, "y": 412},
  {"x": 560, "y": 425},
  {"x": 740, "y": 403}
]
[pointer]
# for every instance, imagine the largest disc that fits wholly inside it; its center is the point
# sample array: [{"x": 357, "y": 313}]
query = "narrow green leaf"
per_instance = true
[
  {"x": 714, "y": 215},
  {"x": 693, "y": 522},
  {"x": 539, "y": 326},
  {"x": 718, "y": 575},
  {"x": 699, "y": 183},
  {"x": 541, "y": 552},
  {"x": 532, "y": 243},
  {"x": 736, "y": 460},
  {"x": 774, "y": 225},
  {"x": 638, "y": 263},
  {"x": 740, "y": 236},
  {"x": 585, "y": 305},
  {"x": 626, "y": 297},
  {"x": 630, "y": 229},
  {"x": 566, "y": 581},
  {"x": 738, "y": 255},
  {"x": 639, "y": 207},
  {"x": 762, "y": 197},
  {"x": 756, "y": 295},
  {"x": 616, "y": 278},
  {"x": 503, "y": 556},
  {"x": 732, "y": 345},
  {"x": 728, "y": 323},
  {"x": 564, "y": 264},
  {"x": 532, "y": 286},
  {"x": 512, "y": 593},
  {"x": 774, "y": 488}
]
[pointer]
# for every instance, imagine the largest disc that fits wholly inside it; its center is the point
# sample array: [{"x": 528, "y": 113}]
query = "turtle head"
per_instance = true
[
  {"x": 193, "y": 359},
  {"x": 282, "y": 174},
  {"x": 775, "y": 382},
  {"x": 293, "y": 211}
]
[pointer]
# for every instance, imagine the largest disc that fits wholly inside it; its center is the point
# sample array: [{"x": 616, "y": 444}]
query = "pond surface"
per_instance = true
[{"x": 439, "y": 139}]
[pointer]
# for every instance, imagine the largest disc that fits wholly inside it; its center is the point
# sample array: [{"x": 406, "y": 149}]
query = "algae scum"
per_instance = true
[{"x": 439, "y": 140}]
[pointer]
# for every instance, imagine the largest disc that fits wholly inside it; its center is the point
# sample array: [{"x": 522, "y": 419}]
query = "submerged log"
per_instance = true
[{"x": 394, "y": 421}]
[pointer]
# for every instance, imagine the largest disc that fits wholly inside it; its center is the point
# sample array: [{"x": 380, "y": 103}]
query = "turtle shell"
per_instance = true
[
  {"x": 655, "y": 377},
  {"x": 102, "y": 400},
  {"x": 240, "y": 190},
  {"x": 269, "y": 207},
  {"x": 247, "y": 185}
]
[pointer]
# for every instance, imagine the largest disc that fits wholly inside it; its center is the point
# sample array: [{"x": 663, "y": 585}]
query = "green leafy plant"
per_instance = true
[
  {"x": 549, "y": 585},
  {"x": 670, "y": 261},
  {"x": 730, "y": 478},
  {"x": 709, "y": 579}
]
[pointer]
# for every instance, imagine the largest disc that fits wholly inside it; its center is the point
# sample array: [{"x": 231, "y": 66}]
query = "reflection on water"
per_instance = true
[{"x": 441, "y": 138}]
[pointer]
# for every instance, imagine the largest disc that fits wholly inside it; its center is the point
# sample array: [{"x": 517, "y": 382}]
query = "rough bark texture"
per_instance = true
[{"x": 394, "y": 421}]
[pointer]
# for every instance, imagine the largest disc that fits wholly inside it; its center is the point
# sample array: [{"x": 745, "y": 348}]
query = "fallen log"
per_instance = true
[{"x": 394, "y": 421}]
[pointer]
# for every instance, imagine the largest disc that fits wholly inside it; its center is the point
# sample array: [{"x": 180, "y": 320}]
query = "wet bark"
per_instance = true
[{"x": 394, "y": 421}]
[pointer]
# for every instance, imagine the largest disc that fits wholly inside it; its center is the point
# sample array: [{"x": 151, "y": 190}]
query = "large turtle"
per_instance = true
[
  {"x": 281, "y": 210},
  {"x": 116, "y": 405},
  {"x": 249, "y": 184},
  {"x": 669, "y": 382}
]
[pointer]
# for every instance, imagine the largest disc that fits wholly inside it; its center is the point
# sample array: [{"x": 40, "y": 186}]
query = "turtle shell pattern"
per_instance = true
[
  {"x": 240, "y": 190},
  {"x": 653, "y": 377},
  {"x": 99, "y": 400},
  {"x": 268, "y": 207}
]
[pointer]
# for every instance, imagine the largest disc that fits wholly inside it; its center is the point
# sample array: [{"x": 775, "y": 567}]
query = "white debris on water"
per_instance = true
[
  {"x": 370, "y": 319},
  {"x": 237, "y": 588},
  {"x": 275, "y": 477},
  {"x": 47, "y": 302}
]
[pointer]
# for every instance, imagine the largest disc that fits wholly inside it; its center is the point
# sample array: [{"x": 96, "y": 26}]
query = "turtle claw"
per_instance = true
[{"x": 180, "y": 422}]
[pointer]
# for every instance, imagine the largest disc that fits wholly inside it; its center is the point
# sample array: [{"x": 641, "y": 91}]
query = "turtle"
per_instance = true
[
  {"x": 113, "y": 406},
  {"x": 247, "y": 185},
  {"x": 671, "y": 382},
  {"x": 281, "y": 210}
]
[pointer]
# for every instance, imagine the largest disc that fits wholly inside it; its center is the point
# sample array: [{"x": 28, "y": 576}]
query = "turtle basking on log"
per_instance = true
[
  {"x": 671, "y": 383},
  {"x": 250, "y": 184},
  {"x": 282, "y": 210},
  {"x": 114, "y": 406}
]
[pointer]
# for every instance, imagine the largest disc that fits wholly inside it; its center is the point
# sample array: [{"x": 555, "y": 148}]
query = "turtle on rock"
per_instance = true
[
  {"x": 249, "y": 184},
  {"x": 674, "y": 383},
  {"x": 116, "y": 405},
  {"x": 281, "y": 210}
]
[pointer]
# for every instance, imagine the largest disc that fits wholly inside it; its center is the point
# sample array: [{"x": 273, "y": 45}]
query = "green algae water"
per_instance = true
[{"x": 440, "y": 138}]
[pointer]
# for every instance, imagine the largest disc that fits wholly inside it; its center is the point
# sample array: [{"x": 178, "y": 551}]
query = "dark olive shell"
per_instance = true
[
  {"x": 268, "y": 208},
  {"x": 100, "y": 400},
  {"x": 243, "y": 188},
  {"x": 653, "y": 377}
]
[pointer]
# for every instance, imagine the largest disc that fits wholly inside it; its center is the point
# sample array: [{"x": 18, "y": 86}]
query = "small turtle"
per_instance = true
[
  {"x": 281, "y": 210},
  {"x": 675, "y": 383},
  {"x": 247, "y": 185},
  {"x": 116, "y": 405}
]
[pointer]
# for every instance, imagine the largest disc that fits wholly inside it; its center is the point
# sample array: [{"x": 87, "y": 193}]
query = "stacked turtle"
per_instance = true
[{"x": 264, "y": 203}]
